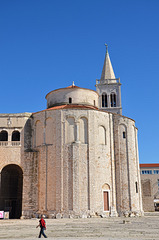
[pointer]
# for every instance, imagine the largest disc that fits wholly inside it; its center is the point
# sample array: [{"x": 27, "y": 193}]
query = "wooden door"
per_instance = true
[{"x": 106, "y": 200}]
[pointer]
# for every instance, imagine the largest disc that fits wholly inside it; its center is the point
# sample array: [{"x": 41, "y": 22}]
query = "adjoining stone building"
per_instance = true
[
  {"x": 150, "y": 186},
  {"x": 78, "y": 157}
]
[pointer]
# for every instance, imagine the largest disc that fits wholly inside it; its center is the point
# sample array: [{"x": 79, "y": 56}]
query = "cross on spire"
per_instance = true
[{"x": 106, "y": 47}]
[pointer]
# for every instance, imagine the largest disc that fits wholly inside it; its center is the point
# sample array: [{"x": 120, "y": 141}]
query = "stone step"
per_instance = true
[{"x": 151, "y": 214}]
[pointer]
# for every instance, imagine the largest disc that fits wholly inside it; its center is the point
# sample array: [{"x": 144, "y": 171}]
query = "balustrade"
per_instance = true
[
  {"x": 3, "y": 143},
  {"x": 9, "y": 143}
]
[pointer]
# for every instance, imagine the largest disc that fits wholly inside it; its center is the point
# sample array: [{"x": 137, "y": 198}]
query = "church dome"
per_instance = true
[{"x": 72, "y": 95}]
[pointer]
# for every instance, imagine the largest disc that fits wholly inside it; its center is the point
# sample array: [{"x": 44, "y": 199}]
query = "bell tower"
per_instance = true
[{"x": 108, "y": 88}]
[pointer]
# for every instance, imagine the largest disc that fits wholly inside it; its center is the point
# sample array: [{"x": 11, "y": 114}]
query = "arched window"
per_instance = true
[
  {"x": 49, "y": 131},
  {"x": 102, "y": 135},
  {"x": 104, "y": 100},
  {"x": 70, "y": 100},
  {"x": 16, "y": 136},
  {"x": 3, "y": 136},
  {"x": 39, "y": 133},
  {"x": 83, "y": 130},
  {"x": 70, "y": 134},
  {"x": 113, "y": 99}
]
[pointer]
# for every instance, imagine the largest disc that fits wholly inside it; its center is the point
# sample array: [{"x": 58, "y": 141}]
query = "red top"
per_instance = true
[{"x": 42, "y": 223}]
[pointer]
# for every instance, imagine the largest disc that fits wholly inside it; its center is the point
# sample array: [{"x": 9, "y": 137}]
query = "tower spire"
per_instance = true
[
  {"x": 107, "y": 72},
  {"x": 108, "y": 88}
]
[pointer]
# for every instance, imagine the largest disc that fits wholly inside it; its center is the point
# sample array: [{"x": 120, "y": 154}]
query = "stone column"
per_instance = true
[
  {"x": 100, "y": 102},
  {"x": 34, "y": 136},
  {"x": 75, "y": 159},
  {"x": 113, "y": 211},
  {"x": 138, "y": 173},
  {"x": 9, "y": 137},
  {"x": 77, "y": 132},
  {"x": 108, "y": 98}
]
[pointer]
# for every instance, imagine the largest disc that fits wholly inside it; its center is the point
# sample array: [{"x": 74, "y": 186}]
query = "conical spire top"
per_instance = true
[
  {"x": 107, "y": 72},
  {"x": 106, "y": 47}
]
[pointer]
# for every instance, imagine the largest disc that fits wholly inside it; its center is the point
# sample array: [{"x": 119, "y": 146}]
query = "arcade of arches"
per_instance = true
[
  {"x": 4, "y": 136},
  {"x": 11, "y": 190}
]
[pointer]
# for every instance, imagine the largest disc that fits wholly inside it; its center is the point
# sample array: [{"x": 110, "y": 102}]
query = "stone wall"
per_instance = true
[
  {"x": 30, "y": 204},
  {"x": 150, "y": 191},
  {"x": 148, "y": 204},
  {"x": 70, "y": 157},
  {"x": 11, "y": 153},
  {"x": 129, "y": 199},
  {"x": 79, "y": 170},
  {"x": 72, "y": 174}
]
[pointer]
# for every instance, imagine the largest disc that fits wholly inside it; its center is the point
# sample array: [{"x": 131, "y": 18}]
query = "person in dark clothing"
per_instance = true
[{"x": 42, "y": 226}]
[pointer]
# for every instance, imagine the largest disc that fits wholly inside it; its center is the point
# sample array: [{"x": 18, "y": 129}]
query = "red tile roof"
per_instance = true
[
  {"x": 72, "y": 106},
  {"x": 67, "y": 106},
  {"x": 149, "y": 165}
]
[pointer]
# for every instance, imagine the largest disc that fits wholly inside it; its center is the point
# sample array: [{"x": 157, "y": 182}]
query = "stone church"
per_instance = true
[{"x": 76, "y": 158}]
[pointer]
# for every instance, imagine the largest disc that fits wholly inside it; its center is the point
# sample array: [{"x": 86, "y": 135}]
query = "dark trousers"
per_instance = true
[{"x": 42, "y": 232}]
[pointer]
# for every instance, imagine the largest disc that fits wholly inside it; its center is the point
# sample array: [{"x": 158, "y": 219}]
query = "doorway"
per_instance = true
[
  {"x": 106, "y": 200},
  {"x": 11, "y": 190}
]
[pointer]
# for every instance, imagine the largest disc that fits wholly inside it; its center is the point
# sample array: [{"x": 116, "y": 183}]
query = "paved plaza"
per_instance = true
[{"x": 146, "y": 227}]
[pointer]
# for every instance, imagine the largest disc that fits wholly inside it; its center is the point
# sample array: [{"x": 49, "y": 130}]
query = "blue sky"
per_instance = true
[{"x": 45, "y": 45}]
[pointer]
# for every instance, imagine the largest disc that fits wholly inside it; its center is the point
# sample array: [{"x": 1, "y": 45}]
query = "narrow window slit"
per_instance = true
[
  {"x": 124, "y": 134},
  {"x": 70, "y": 100},
  {"x": 136, "y": 187}
]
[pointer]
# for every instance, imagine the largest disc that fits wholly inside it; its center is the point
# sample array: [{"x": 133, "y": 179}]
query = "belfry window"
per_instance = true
[
  {"x": 104, "y": 100},
  {"x": 70, "y": 100},
  {"x": 113, "y": 99}
]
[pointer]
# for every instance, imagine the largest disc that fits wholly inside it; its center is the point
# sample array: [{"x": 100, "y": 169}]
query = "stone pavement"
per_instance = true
[{"x": 146, "y": 227}]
